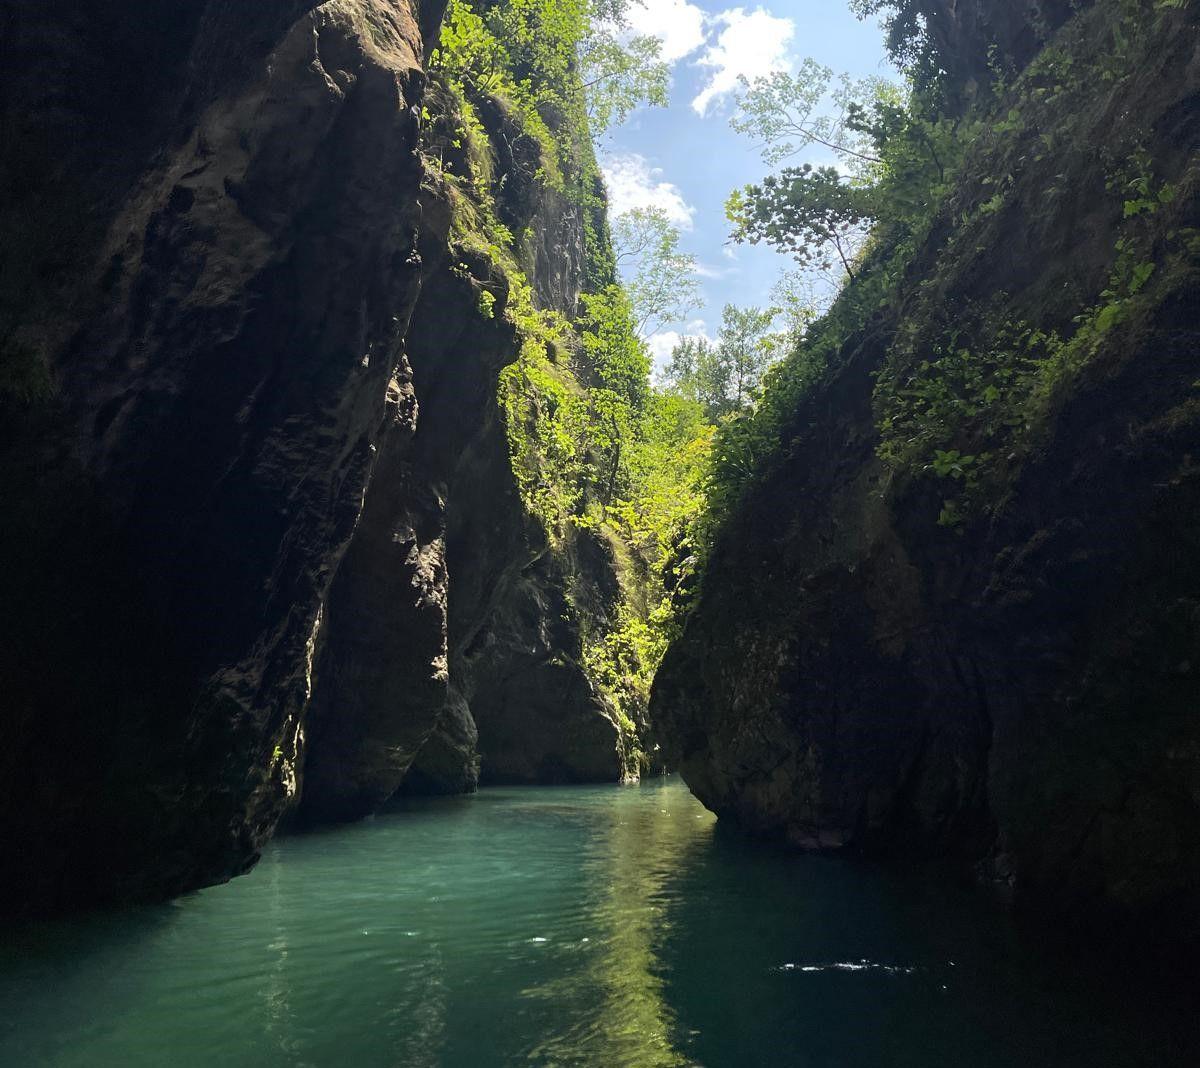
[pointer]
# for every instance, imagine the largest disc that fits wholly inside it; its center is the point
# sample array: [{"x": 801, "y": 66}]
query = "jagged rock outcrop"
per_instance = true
[
  {"x": 237, "y": 376},
  {"x": 501, "y": 693},
  {"x": 1020, "y": 688}
]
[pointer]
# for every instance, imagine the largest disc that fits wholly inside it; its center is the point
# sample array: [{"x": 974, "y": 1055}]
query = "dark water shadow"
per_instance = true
[
  {"x": 822, "y": 961},
  {"x": 38, "y": 963}
]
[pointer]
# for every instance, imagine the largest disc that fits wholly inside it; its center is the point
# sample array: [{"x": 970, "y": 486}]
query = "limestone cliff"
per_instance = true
[
  {"x": 989, "y": 649},
  {"x": 249, "y": 447}
]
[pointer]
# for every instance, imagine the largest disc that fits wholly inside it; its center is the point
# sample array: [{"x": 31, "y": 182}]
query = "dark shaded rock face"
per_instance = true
[
  {"x": 218, "y": 281},
  {"x": 516, "y": 646},
  {"x": 1023, "y": 691},
  {"x": 539, "y": 717},
  {"x": 236, "y": 384},
  {"x": 448, "y": 762},
  {"x": 971, "y": 35}
]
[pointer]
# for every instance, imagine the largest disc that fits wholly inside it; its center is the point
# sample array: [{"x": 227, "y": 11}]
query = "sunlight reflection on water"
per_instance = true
[{"x": 599, "y": 926}]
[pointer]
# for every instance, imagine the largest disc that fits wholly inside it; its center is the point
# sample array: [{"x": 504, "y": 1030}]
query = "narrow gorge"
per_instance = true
[{"x": 366, "y": 455}]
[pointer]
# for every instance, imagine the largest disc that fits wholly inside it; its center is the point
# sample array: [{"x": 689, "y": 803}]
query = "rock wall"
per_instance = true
[
  {"x": 447, "y": 549},
  {"x": 1021, "y": 689},
  {"x": 238, "y": 380},
  {"x": 973, "y": 37}
]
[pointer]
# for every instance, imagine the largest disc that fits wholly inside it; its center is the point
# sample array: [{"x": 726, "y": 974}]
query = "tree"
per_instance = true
[
  {"x": 618, "y": 378},
  {"x": 894, "y": 153},
  {"x": 794, "y": 294},
  {"x": 620, "y": 74},
  {"x": 821, "y": 215},
  {"x": 748, "y": 344},
  {"x": 787, "y": 113},
  {"x": 897, "y": 157},
  {"x": 697, "y": 373},
  {"x": 661, "y": 281},
  {"x": 905, "y": 26},
  {"x": 616, "y": 359},
  {"x": 814, "y": 213},
  {"x": 725, "y": 376}
]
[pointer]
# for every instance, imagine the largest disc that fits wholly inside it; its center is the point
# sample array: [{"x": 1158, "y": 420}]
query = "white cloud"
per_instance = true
[
  {"x": 704, "y": 270},
  {"x": 678, "y": 24},
  {"x": 661, "y": 346},
  {"x": 751, "y": 45},
  {"x": 633, "y": 183},
  {"x": 663, "y": 343}
]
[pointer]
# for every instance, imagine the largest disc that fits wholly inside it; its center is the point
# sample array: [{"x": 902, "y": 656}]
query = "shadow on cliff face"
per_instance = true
[
  {"x": 250, "y": 431},
  {"x": 198, "y": 262},
  {"x": 1019, "y": 686}
]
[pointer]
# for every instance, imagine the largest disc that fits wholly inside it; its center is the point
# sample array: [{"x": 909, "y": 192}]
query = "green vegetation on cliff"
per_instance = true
[
  {"x": 926, "y": 184},
  {"x": 597, "y": 451},
  {"x": 965, "y": 387},
  {"x": 951, "y": 606}
]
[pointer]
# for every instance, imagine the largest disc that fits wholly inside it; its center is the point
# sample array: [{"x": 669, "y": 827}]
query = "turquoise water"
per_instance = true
[{"x": 575, "y": 926}]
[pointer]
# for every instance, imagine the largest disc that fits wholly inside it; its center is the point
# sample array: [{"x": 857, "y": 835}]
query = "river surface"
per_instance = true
[{"x": 599, "y": 926}]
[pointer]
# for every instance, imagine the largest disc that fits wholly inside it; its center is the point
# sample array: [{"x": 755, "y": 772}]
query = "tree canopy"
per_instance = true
[
  {"x": 724, "y": 376},
  {"x": 815, "y": 213},
  {"x": 661, "y": 280}
]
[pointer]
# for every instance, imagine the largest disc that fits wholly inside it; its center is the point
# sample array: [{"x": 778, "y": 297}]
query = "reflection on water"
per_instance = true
[
  {"x": 577, "y": 926},
  {"x": 638, "y": 849}
]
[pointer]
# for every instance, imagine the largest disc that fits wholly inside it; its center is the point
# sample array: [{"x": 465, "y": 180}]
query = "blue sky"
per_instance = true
[{"x": 686, "y": 158}]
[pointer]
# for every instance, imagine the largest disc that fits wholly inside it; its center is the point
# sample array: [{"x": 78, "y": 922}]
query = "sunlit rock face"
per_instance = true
[
  {"x": 237, "y": 382},
  {"x": 1018, "y": 689}
]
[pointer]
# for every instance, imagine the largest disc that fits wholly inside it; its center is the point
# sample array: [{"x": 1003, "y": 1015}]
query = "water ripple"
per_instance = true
[{"x": 599, "y": 927}]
